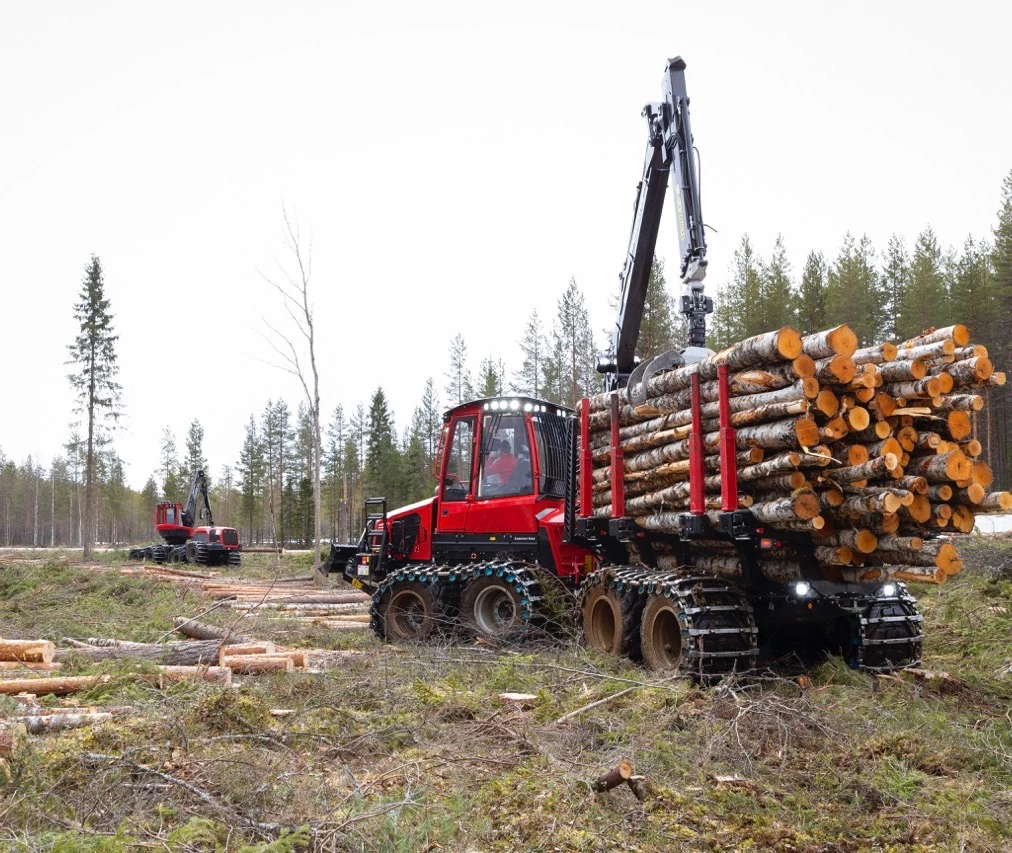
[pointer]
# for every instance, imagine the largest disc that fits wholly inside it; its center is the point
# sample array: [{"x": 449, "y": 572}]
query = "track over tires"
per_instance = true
[
  {"x": 887, "y": 635},
  {"x": 408, "y": 612},
  {"x": 234, "y": 558},
  {"x": 661, "y": 634},
  {"x": 490, "y": 607},
  {"x": 611, "y": 620}
]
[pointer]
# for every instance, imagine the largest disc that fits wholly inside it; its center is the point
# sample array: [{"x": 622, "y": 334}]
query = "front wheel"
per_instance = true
[{"x": 408, "y": 612}]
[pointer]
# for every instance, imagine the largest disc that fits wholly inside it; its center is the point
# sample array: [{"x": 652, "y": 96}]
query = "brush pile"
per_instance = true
[{"x": 870, "y": 451}]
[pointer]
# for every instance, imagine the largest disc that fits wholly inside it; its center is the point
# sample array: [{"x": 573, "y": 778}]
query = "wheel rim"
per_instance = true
[
  {"x": 494, "y": 610},
  {"x": 408, "y": 614},
  {"x": 666, "y": 638},
  {"x": 602, "y": 624}
]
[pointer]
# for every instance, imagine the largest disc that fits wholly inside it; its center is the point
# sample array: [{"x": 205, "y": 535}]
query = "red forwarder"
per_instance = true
[{"x": 496, "y": 559}]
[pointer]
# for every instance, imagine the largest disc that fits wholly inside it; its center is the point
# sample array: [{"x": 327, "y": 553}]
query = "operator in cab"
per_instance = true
[{"x": 501, "y": 463}]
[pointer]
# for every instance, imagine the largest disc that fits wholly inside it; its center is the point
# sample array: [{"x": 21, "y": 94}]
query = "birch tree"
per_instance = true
[{"x": 296, "y": 350}]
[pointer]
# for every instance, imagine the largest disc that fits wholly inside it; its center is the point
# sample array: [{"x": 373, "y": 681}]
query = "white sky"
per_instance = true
[{"x": 447, "y": 157}]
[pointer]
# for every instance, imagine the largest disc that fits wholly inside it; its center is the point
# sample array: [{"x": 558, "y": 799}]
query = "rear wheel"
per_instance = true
[
  {"x": 408, "y": 612},
  {"x": 611, "y": 620},
  {"x": 490, "y": 607},
  {"x": 661, "y": 634}
]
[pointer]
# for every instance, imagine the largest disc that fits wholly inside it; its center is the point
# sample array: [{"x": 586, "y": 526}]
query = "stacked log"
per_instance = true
[{"x": 870, "y": 451}]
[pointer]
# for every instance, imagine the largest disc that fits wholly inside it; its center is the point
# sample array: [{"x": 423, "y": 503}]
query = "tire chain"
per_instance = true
[
  {"x": 519, "y": 576},
  {"x": 875, "y": 631},
  {"x": 690, "y": 590}
]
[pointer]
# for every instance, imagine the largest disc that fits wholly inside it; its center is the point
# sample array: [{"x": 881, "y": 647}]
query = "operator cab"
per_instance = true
[{"x": 503, "y": 447}]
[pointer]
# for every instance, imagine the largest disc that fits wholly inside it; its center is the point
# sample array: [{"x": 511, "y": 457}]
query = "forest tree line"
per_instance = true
[{"x": 888, "y": 293}]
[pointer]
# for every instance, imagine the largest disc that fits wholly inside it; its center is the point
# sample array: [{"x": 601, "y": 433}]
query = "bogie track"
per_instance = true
[
  {"x": 495, "y": 600},
  {"x": 692, "y": 623}
]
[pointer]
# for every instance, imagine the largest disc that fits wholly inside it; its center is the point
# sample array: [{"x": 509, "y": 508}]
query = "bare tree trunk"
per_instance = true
[{"x": 295, "y": 294}]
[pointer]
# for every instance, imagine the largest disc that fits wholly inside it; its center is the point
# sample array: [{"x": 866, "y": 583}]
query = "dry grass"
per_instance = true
[{"x": 411, "y": 748}]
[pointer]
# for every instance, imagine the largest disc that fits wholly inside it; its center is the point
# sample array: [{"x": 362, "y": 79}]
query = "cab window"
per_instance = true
[
  {"x": 459, "y": 460},
  {"x": 506, "y": 468}
]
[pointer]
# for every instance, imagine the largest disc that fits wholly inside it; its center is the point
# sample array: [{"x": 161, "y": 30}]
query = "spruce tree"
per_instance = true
[
  {"x": 195, "y": 459},
  {"x": 93, "y": 357},
  {"x": 809, "y": 300},
  {"x": 382, "y": 462},
  {"x": 775, "y": 288},
  {"x": 855, "y": 295},
  {"x": 925, "y": 303},
  {"x": 972, "y": 295},
  {"x": 334, "y": 481},
  {"x": 250, "y": 469},
  {"x": 660, "y": 327},
  {"x": 1000, "y": 399},
  {"x": 492, "y": 377},
  {"x": 895, "y": 279}
]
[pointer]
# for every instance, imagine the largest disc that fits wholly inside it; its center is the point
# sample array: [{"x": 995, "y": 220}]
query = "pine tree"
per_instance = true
[
  {"x": 459, "y": 388},
  {"x": 93, "y": 356},
  {"x": 810, "y": 298},
  {"x": 432, "y": 420},
  {"x": 924, "y": 304},
  {"x": 661, "y": 328},
  {"x": 530, "y": 380},
  {"x": 571, "y": 369},
  {"x": 169, "y": 469}
]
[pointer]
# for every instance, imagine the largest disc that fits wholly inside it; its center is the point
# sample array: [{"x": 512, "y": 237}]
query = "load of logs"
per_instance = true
[{"x": 871, "y": 450}]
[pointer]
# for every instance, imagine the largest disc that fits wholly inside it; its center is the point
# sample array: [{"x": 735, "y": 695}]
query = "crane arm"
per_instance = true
[
  {"x": 198, "y": 491},
  {"x": 669, "y": 154}
]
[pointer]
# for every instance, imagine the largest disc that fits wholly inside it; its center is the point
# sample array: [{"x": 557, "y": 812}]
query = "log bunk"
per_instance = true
[{"x": 800, "y": 460}]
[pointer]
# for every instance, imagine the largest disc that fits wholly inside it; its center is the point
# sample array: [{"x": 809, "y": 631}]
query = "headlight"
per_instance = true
[
  {"x": 802, "y": 589},
  {"x": 888, "y": 590}
]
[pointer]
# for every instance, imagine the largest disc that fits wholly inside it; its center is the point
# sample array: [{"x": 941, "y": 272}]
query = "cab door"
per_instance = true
[{"x": 456, "y": 486}]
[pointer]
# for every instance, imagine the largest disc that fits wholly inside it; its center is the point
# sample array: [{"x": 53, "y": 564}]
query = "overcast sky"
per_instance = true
[{"x": 455, "y": 165}]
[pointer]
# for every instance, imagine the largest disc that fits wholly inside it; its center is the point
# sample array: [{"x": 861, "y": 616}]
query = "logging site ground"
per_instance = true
[{"x": 467, "y": 747}]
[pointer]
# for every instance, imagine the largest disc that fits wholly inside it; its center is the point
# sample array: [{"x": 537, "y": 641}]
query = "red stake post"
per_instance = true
[
  {"x": 617, "y": 464},
  {"x": 728, "y": 450},
  {"x": 586, "y": 461},
  {"x": 697, "y": 493}
]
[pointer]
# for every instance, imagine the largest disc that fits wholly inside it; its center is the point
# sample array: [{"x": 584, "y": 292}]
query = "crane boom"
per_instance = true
[
  {"x": 669, "y": 149},
  {"x": 198, "y": 491}
]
